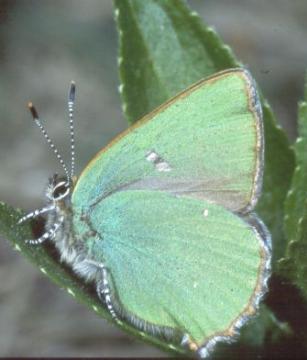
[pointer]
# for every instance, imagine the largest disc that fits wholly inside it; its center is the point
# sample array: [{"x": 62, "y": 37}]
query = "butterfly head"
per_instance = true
[{"x": 58, "y": 189}]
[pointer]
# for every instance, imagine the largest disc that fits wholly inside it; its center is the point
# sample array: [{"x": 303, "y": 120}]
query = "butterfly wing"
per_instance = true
[
  {"x": 159, "y": 200},
  {"x": 180, "y": 262},
  {"x": 206, "y": 143}
]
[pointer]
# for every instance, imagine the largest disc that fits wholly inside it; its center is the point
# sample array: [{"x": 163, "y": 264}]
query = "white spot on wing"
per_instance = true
[
  {"x": 163, "y": 166},
  {"x": 159, "y": 163},
  {"x": 152, "y": 156},
  {"x": 206, "y": 212}
]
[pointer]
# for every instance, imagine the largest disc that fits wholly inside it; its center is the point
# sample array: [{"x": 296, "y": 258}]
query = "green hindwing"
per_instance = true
[{"x": 180, "y": 263}]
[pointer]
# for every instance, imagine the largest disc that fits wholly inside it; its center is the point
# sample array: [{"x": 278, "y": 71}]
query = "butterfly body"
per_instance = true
[{"x": 160, "y": 221}]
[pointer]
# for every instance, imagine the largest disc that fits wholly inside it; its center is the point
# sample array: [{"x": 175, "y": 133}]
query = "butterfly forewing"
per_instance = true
[{"x": 206, "y": 143}]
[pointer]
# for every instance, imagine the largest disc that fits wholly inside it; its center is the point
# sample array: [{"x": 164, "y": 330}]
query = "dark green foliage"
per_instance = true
[{"x": 294, "y": 264}]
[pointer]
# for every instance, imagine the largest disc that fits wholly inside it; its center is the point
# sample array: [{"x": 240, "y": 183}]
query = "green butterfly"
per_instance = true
[{"x": 161, "y": 219}]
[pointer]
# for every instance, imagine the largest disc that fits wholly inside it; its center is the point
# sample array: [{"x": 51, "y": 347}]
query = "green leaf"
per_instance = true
[
  {"x": 294, "y": 265},
  {"x": 266, "y": 324},
  {"x": 278, "y": 170},
  {"x": 46, "y": 259},
  {"x": 164, "y": 47}
]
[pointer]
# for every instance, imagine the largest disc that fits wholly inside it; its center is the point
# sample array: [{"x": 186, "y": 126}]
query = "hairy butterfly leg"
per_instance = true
[{"x": 105, "y": 293}]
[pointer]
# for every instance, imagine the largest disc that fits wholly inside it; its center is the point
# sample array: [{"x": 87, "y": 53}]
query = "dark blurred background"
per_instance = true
[{"x": 44, "y": 45}]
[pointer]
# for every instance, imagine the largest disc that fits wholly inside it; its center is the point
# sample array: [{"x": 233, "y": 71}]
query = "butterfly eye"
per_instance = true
[{"x": 60, "y": 191}]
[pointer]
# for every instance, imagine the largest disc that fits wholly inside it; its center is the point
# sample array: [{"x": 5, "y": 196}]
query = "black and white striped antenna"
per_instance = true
[
  {"x": 71, "y": 103},
  {"x": 38, "y": 122}
]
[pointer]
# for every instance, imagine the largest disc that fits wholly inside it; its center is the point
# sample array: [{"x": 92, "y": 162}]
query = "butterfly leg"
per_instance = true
[
  {"x": 105, "y": 293},
  {"x": 49, "y": 234},
  {"x": 35, "y": 214}
]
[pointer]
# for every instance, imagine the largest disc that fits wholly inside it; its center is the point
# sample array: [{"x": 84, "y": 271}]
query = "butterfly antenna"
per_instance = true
[
  {"x": 71, "y": 103},
  {"x": 46, "y": 136}
]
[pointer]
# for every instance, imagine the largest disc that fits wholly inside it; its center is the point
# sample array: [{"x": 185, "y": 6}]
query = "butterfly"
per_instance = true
[{"x": 161, "y": 220}]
